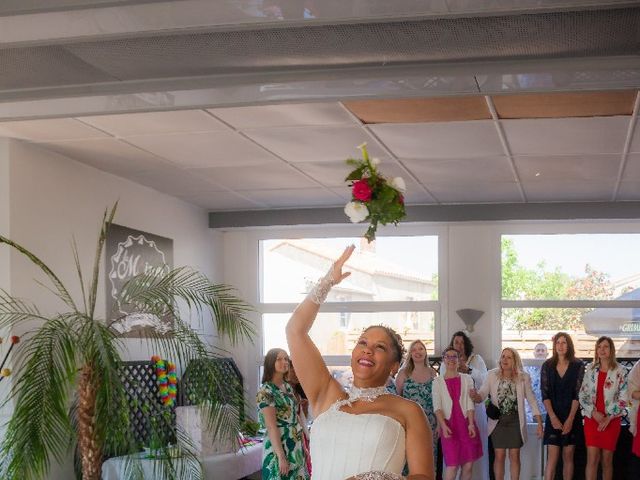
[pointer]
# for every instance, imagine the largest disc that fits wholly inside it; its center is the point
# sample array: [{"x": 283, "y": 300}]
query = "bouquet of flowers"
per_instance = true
[{"x": 374, "y": 197}]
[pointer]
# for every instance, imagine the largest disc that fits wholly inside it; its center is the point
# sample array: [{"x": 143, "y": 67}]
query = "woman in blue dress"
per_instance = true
[{"x": 415, "y": 382}]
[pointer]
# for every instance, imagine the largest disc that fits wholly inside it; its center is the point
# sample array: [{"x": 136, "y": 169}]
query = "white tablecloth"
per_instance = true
[{"x": 228, "y": 466}]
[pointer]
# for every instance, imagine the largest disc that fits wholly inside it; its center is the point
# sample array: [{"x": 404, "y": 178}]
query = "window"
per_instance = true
[
  {"x": 394, "y": 281},
  {"x": 586, "y": 284}
]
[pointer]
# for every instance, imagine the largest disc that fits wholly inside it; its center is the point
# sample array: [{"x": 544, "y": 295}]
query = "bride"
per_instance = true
[{"x": 364, "y": 433}]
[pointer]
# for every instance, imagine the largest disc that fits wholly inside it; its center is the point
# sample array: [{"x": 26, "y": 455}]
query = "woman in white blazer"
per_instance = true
[
  {"x": 454, "y": 410},
  {"x": 509, "y": 385}
]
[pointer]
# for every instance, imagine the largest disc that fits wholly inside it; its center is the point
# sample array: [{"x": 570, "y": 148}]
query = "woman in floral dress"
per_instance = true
[
  {"x": 283, "y": 455},
  {"x": 603, "y": 398},
  {"x": 415, "y": 382}
]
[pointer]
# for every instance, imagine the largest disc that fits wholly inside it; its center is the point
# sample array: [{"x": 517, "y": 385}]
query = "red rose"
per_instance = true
[
  {"x": 361, "y": 190},
  {"x": 15, "y": 339},
  {"x": 401, "y": 199}
]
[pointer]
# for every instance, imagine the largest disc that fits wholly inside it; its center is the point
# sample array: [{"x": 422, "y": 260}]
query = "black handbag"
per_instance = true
[{"x": 493, "y": 412}]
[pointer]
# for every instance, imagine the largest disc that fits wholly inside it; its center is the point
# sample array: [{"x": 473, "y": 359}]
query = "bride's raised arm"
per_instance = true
[{"x": 310, "y": 367}]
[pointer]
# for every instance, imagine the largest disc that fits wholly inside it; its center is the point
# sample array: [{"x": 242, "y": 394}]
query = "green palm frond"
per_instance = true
[
  {"x": 156, "y": 291},
  {"x": 39, "y": 427},
  {"x": 62, "y": 292},
  {"x": 107, "y": 219},
  {"x": 15, "y": 310}
]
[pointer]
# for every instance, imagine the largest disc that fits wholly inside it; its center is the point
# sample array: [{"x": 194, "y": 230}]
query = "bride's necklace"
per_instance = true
[{"x": 361, "y": 394}]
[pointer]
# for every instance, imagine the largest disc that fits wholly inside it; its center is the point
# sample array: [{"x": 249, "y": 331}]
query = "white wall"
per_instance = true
[{"x": 53, "y": 199}]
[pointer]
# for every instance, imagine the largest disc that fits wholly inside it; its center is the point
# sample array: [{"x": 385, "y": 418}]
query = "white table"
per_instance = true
[{"x": 227, "y": 466}]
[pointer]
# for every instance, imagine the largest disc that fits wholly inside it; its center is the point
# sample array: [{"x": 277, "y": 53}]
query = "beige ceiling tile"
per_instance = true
[
  {"x": 566, "y": 136},
  {"x": 49, "y": 130},
  {"x": 461, "y": 170},
  {"x": 257, "y": 177},
  {"x": 415, "y": 110},
  {"x": 107, "y": 154},
  {"x": 635, "y": 140},
  {"x": 285, "y": 115},
  {"x": 298, "y": 197},
  {"x": 315, "y": 144},
  {"x": 565, "y": 104},
  {"x": 201, "y": 150},
  {"x": 221, "y": 201},
  {"x": 541, "y": 190},
  {"x": 441, "y": 140},
  {"x": 180, "y": 121},
  {"x": 568, "y": 167},
  {"x": 479, "y": 192}
]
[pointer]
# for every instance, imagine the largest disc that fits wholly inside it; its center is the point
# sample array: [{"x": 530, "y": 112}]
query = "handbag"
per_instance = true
[{"x": 493, "y": 412}]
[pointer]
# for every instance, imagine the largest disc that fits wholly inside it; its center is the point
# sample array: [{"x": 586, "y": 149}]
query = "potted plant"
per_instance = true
[{"x": 74, "y": 356}]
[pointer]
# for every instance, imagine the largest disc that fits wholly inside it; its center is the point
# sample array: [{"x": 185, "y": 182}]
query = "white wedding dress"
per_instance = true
[{"x": 344, "y": 444}]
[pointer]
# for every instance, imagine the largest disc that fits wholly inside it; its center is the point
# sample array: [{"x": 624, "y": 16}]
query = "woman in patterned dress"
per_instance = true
[
  {"x": 415, "y": 382},
  {"x": 283, "y": 455},
  {"x": 603, "y": 398}
]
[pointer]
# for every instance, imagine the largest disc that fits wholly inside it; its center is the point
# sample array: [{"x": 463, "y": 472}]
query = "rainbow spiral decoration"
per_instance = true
[{"x": 167, "y": 380}]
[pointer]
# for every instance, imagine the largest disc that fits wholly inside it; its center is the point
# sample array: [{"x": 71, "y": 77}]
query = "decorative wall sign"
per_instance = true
[{"x": 130, "y": 252}]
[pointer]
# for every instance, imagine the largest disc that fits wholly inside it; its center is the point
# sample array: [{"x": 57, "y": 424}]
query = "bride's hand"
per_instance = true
[{"x": 337, "y": 275}]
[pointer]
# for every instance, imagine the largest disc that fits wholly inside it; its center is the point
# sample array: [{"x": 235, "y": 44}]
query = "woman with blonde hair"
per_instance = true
[
  {"x": 415, "y": 382},
  {"x": 509, "y": 385},
  {"x": 603, "y": 398}
]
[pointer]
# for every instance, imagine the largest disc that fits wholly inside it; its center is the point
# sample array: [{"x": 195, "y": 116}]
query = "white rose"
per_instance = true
[
  {"x": 398, "y": 184},
  {"x": 356, "y": 211},
  {"x": 375, "y": 161}
]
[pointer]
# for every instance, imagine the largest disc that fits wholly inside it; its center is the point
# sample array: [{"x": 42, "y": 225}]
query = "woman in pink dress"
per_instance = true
[{"x": 461, "y": 445}]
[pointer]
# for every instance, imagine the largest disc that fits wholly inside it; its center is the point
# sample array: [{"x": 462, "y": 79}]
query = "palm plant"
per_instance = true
[{"x": 75, "y": 357}]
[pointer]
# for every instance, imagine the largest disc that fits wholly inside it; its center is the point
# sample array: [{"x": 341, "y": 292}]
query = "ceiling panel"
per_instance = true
[
  {"x": 208, "y": 149},
  {"x": 480, "y": 192},
  {"x": 221, "y": 201},
  {"x": 566, "y": 135},
  {"x": 568, "y": 167},
  {"x": 461, "y": 170},
  {"x": 176, "y": 181},
  {"x": 332, "y": 174},
  {"x": 310, "y": 114},
  {"x": 629, "y": 191},
  {"x": 565, "y": 104},
  {"x": 256, "y": 177},
  {"x": 441, "y": 140},
  {"x": 635, "y": 140},
  {"x": 632, "y": 167},
  {"x": 107, "y": 154},
  {"x": 49, "y": 130},
  {"x": 415, "y": 110},
  {"x": 315, "y": 144},
  {"x": 182, "y": 121},
  {"x": 297, "y": 197},
  {"x": 568, "y": 191}
]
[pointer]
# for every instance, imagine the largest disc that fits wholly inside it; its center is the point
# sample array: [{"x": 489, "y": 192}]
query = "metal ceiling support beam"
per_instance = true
[
  {"x": 486, "y": 78},
  {"x": 436, "y": 213},
  {"x": 29, "y": 27}
]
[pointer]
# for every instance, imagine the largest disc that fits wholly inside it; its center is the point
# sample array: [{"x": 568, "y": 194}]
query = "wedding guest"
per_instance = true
[
  {"x": 509, "y": 386},
  {"x": 540, "y": 351},
  {"x": 603, "y": 399},
  {"x": 303, "y": 411},
  {"x": 283, "y": 452},
  {"x": 561, "y": 379},
  {"x": 415, "y": 382},
  {"x": 634, "y": 397},
  {"x": 455, "y": 412},
  {"x": 473, "y": 364}
]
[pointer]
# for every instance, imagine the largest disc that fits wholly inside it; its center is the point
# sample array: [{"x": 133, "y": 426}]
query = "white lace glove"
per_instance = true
[{"x": 318, "y": 293}]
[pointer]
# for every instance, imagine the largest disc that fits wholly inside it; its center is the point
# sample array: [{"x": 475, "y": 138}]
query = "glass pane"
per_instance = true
[
  {"x": 524, "y": 328},
  {"x": 337, "y": 333},
  {"x": 571, "y": 267},
  {"x": 388, "y": 269}
]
